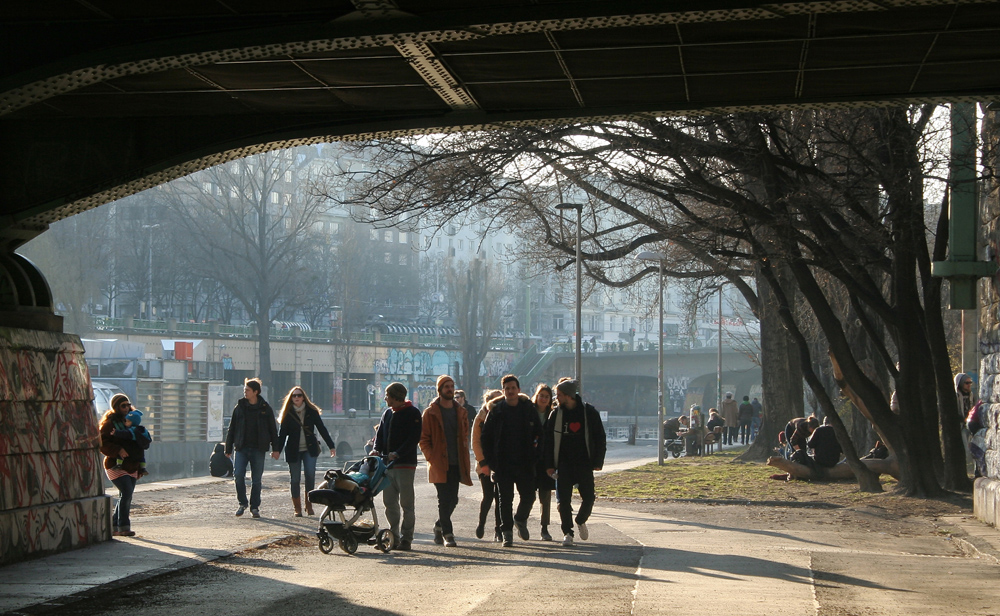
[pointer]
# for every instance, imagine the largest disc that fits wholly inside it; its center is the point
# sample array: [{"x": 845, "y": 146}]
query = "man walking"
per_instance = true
[
  {"x": 511, "y": 435},
  {"x": 746, "y": 418},
  {"x": 575, "y": 444},
  {"x": 252, "y": 430},
  {"x": 444, "y": 439},
  {"x": 730, "y": 414},
  {"x": 460, "y": 399},
  {"x": 396, "y": 438}
]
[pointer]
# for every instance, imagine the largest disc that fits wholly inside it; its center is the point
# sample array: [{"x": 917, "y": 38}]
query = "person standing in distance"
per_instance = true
[
  {"x": 444, "y": 441},
  {"x": 575, "y": 445},
  {"x": 511, "y": 441},
  {"x": 396, "y": 439},
  {"x": 252, "y": 430}
]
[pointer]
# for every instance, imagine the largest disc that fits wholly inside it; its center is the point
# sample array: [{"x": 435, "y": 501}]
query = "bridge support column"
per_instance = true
[{"x": 51, "y": 482}]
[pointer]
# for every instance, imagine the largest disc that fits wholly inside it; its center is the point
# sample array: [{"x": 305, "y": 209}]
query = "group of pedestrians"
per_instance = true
[{"x": 520, "y": 444}]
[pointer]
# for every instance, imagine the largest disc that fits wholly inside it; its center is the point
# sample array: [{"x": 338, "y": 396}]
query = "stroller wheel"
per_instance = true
[
  {"x": 349, "y": 543},
  {"x": 326, "y": 544},
  {"x": 386, "y": 540},
  {"x": 676, "y": 453}
]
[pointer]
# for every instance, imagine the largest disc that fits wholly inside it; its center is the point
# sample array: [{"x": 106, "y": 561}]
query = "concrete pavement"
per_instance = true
[{"x": 741, "y": 557}]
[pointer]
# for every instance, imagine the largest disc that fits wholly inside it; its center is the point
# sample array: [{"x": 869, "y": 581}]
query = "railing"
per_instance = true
[{"x": 129, "y": 368}]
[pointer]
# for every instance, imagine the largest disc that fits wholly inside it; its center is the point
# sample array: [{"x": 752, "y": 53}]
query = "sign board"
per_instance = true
[{"x": 215, "y": 404}]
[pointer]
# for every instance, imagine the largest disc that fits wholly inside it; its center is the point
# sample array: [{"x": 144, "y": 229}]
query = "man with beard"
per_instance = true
[{"x": 444, "y": 440}]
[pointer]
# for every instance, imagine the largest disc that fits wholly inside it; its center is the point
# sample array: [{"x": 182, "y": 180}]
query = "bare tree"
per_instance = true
[{"x": 478, "y": 288}]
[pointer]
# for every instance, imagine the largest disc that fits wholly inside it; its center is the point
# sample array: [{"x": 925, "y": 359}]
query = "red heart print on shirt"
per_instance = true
[{"x": 574, "y": 426}]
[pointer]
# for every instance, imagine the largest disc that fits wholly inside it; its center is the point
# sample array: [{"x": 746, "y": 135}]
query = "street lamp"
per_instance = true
[
  {"x": 149, "y": 306},
  {"x": 659, "y": 257},
  {"x": 718, "y": 368},
  {"x": 579, "y": 288},
  {"x": 312, "y": 390}
]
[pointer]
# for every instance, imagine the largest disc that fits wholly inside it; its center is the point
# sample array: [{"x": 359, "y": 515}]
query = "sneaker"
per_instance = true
[
  {"x": 480, "y": 531},
  {"x": 498, "y": 536},
  {"x": 567, "y": 540},
  {"x": 522, "y": 529},
  {"x": 240, "y": 510},
  {"x": 438, "y": 535},
  {"x": 584, "y": 533},
  {"x": 508, "y": 539},
  {"x": 404, "y": 546},
  {"x": 255, "y": 513},
  {"x": 449, "y": 541},
  {"x": 545, "y": 534}
]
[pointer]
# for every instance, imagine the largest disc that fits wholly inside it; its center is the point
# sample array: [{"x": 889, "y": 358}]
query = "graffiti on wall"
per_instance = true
[{"x": 51, "y": 488}]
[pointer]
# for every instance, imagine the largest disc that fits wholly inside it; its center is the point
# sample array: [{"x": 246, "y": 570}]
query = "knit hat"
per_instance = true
[
  {"x": 569, "y": 388},
  {"x": 118, "y": 399},
  {"x": 135, "y": 417},
  {"x": 444, "y": 378}
]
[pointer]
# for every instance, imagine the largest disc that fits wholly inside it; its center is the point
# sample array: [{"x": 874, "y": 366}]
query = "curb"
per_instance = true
[{"x": 186, "y": 563}]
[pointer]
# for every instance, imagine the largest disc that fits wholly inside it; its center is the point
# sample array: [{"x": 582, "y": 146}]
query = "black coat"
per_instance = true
[
  {"x": 597, "y": 444},
  {"x": 511, "y": 436},
  {"x": 290, "y": 432},
  {"x": 267, "y": 431}
]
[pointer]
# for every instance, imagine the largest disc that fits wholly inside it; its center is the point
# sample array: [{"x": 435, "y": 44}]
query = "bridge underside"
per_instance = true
[{"x": 102, "y": 99}]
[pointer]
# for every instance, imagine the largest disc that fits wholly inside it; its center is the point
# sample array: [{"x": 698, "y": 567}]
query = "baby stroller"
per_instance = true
[
  {"x": 346, "y": 496},
  {"x": 674, "y": 445}
]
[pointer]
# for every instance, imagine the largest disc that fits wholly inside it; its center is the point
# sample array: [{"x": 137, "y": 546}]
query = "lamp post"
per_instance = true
[
  {"x": 149, "y": 306},
  {"x": 718, "y": 368},
  {"x": 312, "y": 390},
  {"x": 579, "y": 287},
  {"x": 659, "y": 257}
]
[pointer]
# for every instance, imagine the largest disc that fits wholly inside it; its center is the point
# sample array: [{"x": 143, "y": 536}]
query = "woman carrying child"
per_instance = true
[{"x": 119, "y": 443}]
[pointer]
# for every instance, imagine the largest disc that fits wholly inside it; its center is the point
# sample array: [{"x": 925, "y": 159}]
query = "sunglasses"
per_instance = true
[{"x": 298, "y": 395}]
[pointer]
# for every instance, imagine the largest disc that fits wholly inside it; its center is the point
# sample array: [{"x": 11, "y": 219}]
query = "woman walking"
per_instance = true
[
  {"x": 297, "y": 425},
  {"x": 117, "y": 442},
  {"x": 489, "y": 490},
  {"x": 544, "y": 484}
]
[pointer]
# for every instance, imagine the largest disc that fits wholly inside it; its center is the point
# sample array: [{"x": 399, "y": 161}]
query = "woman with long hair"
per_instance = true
[
  {"x": 117, "y": 442},
  {"x": 489, "y": 490},
  {"x": 543, "y": 400},
  {"x": 298, "y": 423}
]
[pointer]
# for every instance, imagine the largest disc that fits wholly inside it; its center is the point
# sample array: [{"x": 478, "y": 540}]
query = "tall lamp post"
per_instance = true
[
  {"x": 149, "y": 306},
  {"x": 579, "y": 288},
  {"x": 312, "y": 384},
  {"x": 718, "y": 368},
  {"x": 659, "y": 257}
]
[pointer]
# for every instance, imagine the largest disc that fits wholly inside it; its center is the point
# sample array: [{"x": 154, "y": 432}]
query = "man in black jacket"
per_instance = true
[
  {"x": 251, "y": 431},
  {"x": 575, "y": 445},
  {"x": 511, "y": 439},
  {"x": 396, "y": 437}
]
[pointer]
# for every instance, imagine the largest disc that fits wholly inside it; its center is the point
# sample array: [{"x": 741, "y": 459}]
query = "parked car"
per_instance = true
[{"x": 103, "y": 392}]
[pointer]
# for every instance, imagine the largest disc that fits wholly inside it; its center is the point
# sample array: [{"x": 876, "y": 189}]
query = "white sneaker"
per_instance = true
[
  {"x": 567, "y": 540},
  {"x": 584, "y": 533}
]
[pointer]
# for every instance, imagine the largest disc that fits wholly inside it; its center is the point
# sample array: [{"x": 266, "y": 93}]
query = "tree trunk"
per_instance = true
[{"x": 781, "y": 376}]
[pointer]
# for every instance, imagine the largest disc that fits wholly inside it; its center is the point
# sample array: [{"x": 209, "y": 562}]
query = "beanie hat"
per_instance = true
[
  {"x": 570, "y": 387},
  {"x": 118, "y": 399},
  {"x": 135, "y": 417},
  {"x": 444, "y": 378}
]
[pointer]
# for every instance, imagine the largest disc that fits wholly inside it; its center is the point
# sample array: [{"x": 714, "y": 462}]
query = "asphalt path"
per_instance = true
[{"x": 642, "y": 558}]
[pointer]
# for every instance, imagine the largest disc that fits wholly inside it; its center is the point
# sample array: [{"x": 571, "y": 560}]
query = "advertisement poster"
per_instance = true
[{"x": 215, "y": 423}]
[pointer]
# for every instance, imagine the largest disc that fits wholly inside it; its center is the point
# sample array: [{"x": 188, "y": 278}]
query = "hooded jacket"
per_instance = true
[
  {"x": 595, "y": 438},
  {"x": 435, "y": 449},
  {"x": 267, "y": 431}
]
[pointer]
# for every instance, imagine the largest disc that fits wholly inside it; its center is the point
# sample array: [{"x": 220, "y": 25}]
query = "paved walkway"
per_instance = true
[{"x": 183, "y": 526}]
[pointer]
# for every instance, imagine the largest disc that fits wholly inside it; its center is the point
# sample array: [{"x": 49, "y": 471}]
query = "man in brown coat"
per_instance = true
[
  {"x": 730, "y": 413},
  {"x": 444, "y": 440}
]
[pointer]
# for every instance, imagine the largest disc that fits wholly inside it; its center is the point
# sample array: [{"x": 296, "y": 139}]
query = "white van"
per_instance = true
[{"x": 103, "y": 392}]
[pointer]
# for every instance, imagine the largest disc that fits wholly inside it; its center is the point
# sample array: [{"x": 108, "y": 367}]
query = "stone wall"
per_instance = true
[
  {"x": 987, "y": 490},
  {"x": 51, "y": 483}
]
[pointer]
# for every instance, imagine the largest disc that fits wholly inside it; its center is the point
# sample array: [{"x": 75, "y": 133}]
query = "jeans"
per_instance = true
[
  {"x": 447, "y": 500},
  {"x": 126, "y": 486},
  {"x": 525, "y": 482},
  {"x": 584, "y": 477},
  {"x": 398, "y": 493},
  {"x": 490, "y": 501},
  {"x": 255, "y": 457},
  {"x": 295, "y": 470},
  {"x": 744, "y": 432}
]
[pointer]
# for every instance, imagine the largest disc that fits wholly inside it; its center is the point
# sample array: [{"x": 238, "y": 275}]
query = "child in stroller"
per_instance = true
[{"x": 346, "y": 496}]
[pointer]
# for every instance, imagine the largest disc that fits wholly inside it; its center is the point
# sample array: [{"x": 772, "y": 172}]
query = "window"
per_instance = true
[
  {"x": 404, "y": 260},
  {"x": 206, "y": 187},
  {"x": 335, "y": 228},
  {"x": 288, "y": 176},
  {"x": 438, "y": 242},
  {"x": 557, "y": 322},
  {"x": 614, "y": 323},
  {"x": 558, "y": 295},
  {"x": 388, "y": 257},
  {"x": 234, "y": 193},
  {"x": 234, "y": 167},
  {"x": 373, "y": 234},
  {"x": 388, "y": 236},
  {"x": 402, "y": 237},
  {"x": 286, "y": 199},
  {"x": 461, "y": 244},
  {"x": 275, "y": 198}
]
